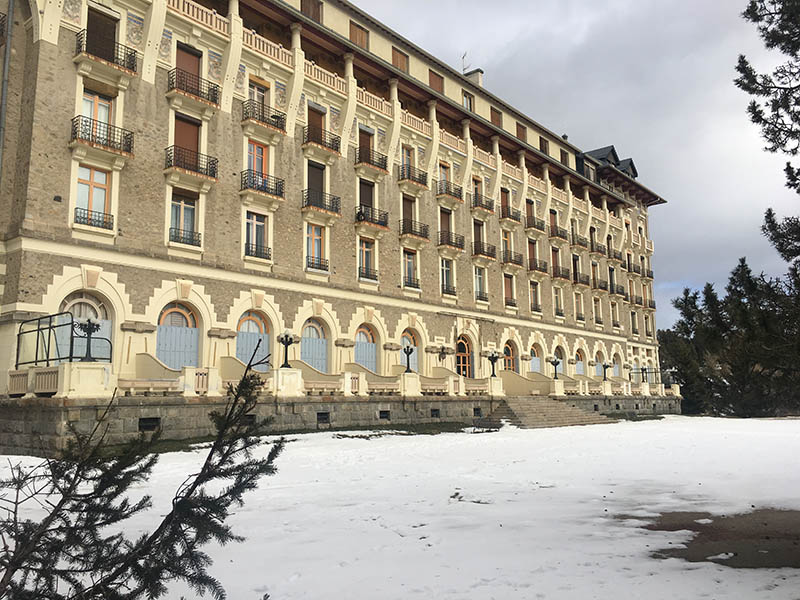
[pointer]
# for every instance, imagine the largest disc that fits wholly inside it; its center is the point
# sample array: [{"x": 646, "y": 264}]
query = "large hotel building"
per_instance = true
[{"x": 200, "y": 176}]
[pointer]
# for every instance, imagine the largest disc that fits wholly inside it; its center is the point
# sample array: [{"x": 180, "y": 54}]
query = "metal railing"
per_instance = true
[
  {"x": 324, "y": 138},
  {"x": 512, "y": 258},
  {"x": 322, "y": 200},
  {"x": 481, "y": 201},
  {"x": 409, "y": 173},
  {"x": 579, "y": 316},
  {"x": 560, "y": 272},
  {"x": 447, "y": 188},
  {"x": 559, "y": 312},
  {"x": 638, "y": 300},
  {"x": 651, "y": 304},
  {"x": 484, "y": 249},
  {"x": 315, "y": 262},
  {"x": 84, "y": 216},
  {"x": 535, "y": 264},
  {"x": 481, "y": 296},
  {"x": 370, "y": 157},
  {"x": 513, "y": 214},
  {"x": 258, "y": 251},
  {"x": 368, "y": 273},
  {"x": 601, "y": 284},
  {"x": 253, "y": 180},
  {"x": 190, "y": 160},
  {"x": 532, "y": 222},
  {"x": 410, "y": 227},
  {"x": 648, "y": 273},
  {"x": 615, "y": 324},
  {"x": 580, "y": 279},
  {"x": 598, "y": 320},
  {"x": 258, "y": 111},
  {"x": 448, "y": 238},
  {"x": 448, "y": 289},
  {"x": 184, "y": 236},
  {"x": 597, "y": 248},
  {"x": 635, "y": 330},
  {"x": 511, "y": 302},
  {"x": 578, "y": 240},
  {"x": 616, "y": 255},
  {"x": 619, "y": 290},
  {"x": 558, "y": 232},
  {"x": 101, "y": 134},
  {"x": 536, "y": 307},
  {"x": 368, "y": 214},
  {"x": 194, "y": 85},
  {"x": 411, "y": 282},
  {"x": 53, "y": 339},
  {"x": 637, "y": 269},
  {"x": 116, "y": 54}
]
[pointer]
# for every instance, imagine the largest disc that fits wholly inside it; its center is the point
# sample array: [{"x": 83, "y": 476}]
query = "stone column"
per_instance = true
[
  {"x": 350, "y": 105},
  {"x": 394, "y": 130},
  {"x": 433, "y": 149},
  {"x": 296, "y": 81}
]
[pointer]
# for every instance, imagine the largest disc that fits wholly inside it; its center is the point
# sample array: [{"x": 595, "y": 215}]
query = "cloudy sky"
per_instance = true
[{"x": 652, "y": 77}]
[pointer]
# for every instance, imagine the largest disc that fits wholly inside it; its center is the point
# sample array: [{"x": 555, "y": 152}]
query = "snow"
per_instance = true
[{"x": 513, "y": 514}]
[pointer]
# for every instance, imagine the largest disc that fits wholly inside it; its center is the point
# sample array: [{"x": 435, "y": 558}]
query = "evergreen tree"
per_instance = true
[{"x": 79, "y": 549}]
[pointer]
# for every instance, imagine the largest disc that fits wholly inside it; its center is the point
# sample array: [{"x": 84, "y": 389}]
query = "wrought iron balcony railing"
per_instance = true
[
  {"x": 481, "y": 201},
  {"x": 368, "y": 156},
  {"x": 447, "y": 188},
  {"x": 368, "y": 273},
  {"x": 84, "y": 216},
  {"x": 580, "y": 279},
  {"x": 194, "y": 85},
  {"x": 598, "y": 320},
  {"x": 535, "y": 264},
  {"x": 509, "y": 257},
  {"x": 322, "y": 201},
  {"x": 324, "y": 138},
  {"x": 597, "y": 248},
  {"x": 536, "y": 307},
  {"x": 116, "y": 54},
  {"x": 651, "y": 304},
  {"x": 559, "y": 312},
  {"x": 481, "y": 296},
  {"x": 616, "y": 255},
  {"x": 409, "y": 173},
  {"x": 578, "y": 240},
  {"x": 253, "y": 180},
  {"x": 101, "y": 134},
  {"x": 638, "y": 300},
  {"x": 368, "y": 214},
  {"x": 410, "y": 227},
  {"x": 484, "y": 249},
  {"x": 190, "y": 160},
  {"x": 619, "y": 290},
  {"x": 579, "y": 316},
  {"x": 411, "y": 282},
  {"x": 511, "y": 302},
  {"x": 317, "y": 263},
  {"x": 258, "y": 251},
  {"x": 558, "y": 232},
  {"x": 512, "y": 214},
  {"x": 560, "y": 272},
  {"x": 448, "y": 238},
  {"x": 258, "y": 111},
  {"x": 615, "y": 324},
  {"x": 184, "y": 236},
  {"x": 637, "y": 269},
  {"x": 448, "y": 289},
  {"x": 601, "y": 284},
  {"x": 648, "y": 273},
  {"x": 532, "y": 222}
]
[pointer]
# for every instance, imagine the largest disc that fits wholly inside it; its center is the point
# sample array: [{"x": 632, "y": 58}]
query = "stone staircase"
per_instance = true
[{"x": 531, "y": 412}]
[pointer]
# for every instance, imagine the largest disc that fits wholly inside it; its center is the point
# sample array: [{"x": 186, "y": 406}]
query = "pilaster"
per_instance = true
[
  {"x": 568, "y": 190},
  {"x": 350, "y": 105},
  {"x": 498, "y": 161},
  {"x": 524, "y": 192},
  {"x": 465, "y": 181},
  {"x": 153, "y": 31},
  {"x": 233, "y": 57},
  {"x": 297, "y": 79},
  {"x": 433, "y": 149},
  {"x": 587, "y": 198},
  {"x": 394, "y": 131}
]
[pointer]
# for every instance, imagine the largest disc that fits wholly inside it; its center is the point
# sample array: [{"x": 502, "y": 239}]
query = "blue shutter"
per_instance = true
[
  {"x": 245, "y": 345},
  {"x": 365, "y": 355},
  {"x": 536, "y": 364},
  {"x": 314, "y": 351},
  {"x": 177, "y": 347}
]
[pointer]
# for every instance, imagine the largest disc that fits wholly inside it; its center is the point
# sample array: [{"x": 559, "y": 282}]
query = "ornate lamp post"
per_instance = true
[
  {"x": 644, "y": 374},
  {"x": 493, "y": 358},
  {"x": 286, "y": 340},
  {"x": 555, "y": 362},
  {"x": 606, "y": 366},
  {"x": 89, "y": 328},
  {"x": 408, "y": 351}
]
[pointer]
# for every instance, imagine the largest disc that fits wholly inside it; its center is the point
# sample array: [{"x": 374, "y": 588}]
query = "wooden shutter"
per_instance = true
[
  {"x": 312, "y": 9},
  {"x": 444, "y": 219},
  {"x": 365, "y": 192},
  {"x": 101, "y": 35},
  {"x": 508, "y": 284},
  {"x": 408, "y": 208},
  {"x": 544, "y": 145},
  {"x": 187, "y": 133},
  {"x": 316, "y": 119},
  {"x": 436, "y": 81},
  {"x": 364, "y": 140},
  {"x": 187, "y": 60},
  {"x": 400, "y": 59},
  {"x": 316, "y": 177},
  {"x": 497, "y": 117},
  {"x": 359, "y": 36},
  {"x": 522, "y": 132}
]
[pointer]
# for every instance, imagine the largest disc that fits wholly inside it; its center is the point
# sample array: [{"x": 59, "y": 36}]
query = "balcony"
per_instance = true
[
  {"x": 638, "y": 300},
  {"x": 184, "y": 236},
  {"x": 598, "y": 320},
  {"x": 189, "y": 91},
  {"x": 371, "y": 163},
  {"x": 411, "y": 282},
  {"x": 262, "y": 123},
  {"x": 92, "y": 218},
  {"x": 558, "y": 233},
  {"x": 648, "y": 273},
  {"x": 636, "y": 269},
  {"x": 413, "y": 233},
  {"x": 411, "y": 180},
  {"x": 596, "y": 248},
  {"x": 536, "y": 307},
  {"x": 109, "y": 62},
  {"x": 615, "y": 324},
  {"x": 617, "y": 289},
  {"x": 449, "y": 194},
  {"x": 509, "y": 217},
  {"x": 511, "y": 302},
  {"x": 482, "y": 206},
  {"x": 561, "y": 273},
  {"x": 559, "y": 312},
  {"x": 100, "y": 141},
  {"x": 483, "y": 253},
  {"x": 580, "y": 279},
  {"x": 534, "y": 224},
  {"x": 371, "y": 221},
  {"x": 511, "y": 260},
  {"x": 616, "y": 255},
  {"x": 321, "y": 145},
  {"x": 368, "y": 273},
  {"x": 651, "y": 304},
  {"x": 579, "y": 316},
  {"x": 315, "y": 263},
  {"x": 600, "y": 284},
  {"x": 261, "y": 190},
  {"x": 451, "y": 240},
  {"x": 537, "y": 265},
  {"x": 579, "y": 241},
  {"x": 448, "y": 289},
  {"x": 320, "y": 207},
  {"x": 481, "y": 296},
  {"x": 187, "y": 168},
  {"x": 258, "y": 251}
]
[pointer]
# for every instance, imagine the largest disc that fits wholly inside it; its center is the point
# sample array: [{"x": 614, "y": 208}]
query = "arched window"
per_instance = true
[
  {"x": 314, "y": 345},
  {"x": 253, "y": 327},
  {"x": 559, "y": 354},
  {"x": 84, "y": 306},
  {"x": 409, "y": 338},
  {"x": 365, "y": 350},
  {"x": 598, "y": 364},
  {"x": 510, "y": 357},
  {"x": 636, "y": 372},
  {"x": 580, "y": 363},
  {"x": 617, "y": 365},
  {"x": 177, "y": 338},
  {"x": 536, "y": 359},
  {"x": 464, "y": 357}
]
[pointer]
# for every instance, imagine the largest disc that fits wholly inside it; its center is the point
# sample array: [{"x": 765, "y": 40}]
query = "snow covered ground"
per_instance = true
[{"x": 515, "y": 514}]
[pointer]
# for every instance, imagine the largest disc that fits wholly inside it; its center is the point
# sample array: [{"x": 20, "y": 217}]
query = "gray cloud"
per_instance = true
[{"x": 653, "y": 78}]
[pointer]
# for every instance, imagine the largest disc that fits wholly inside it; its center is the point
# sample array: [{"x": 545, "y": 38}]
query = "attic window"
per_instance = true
[
  {"x": 496, "y": 117},
  {"x": 399, "y": 59},
  {"x": 359, "y": 36},
  {"x": 565, "y": 157},
  {"x": 312, "y": 9},
  {"x": 436, "y": 81},
  {"x": 544, "y": 145},
  {"x": 522, "y": 132}
]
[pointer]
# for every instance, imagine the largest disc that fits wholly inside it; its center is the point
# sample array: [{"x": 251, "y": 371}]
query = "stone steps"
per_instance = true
[{"x": 534, "y": 412}]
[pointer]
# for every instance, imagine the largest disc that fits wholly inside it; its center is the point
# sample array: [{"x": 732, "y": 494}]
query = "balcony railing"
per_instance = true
[
  {"x": 116, "y": 54},
  {"x": 635, "y": 330},
  {"x": 597, "y": 248},
  {"x": 580, "y": 279},
  {"x": 638, "y": 300},
  {"x": 648, "y": 332},
  {"x": 322, "y": 201},
  {"x": 637, "y": 269},
  {"x": 481, "y": 296},
  {"x": 481, "y": 201},
  {"x": 448, "y": 238},
  {"x": 484, "y": 249},
  {"x": 616, "y": 255},
  {"x": 410, "y": 227},
  {"x": 509, "y": 257},
  {"x": 84, "y": 216},
  {"x": 558, "y": 232},
  {"x": 602, "y": 284},
  {"x": 368, "y": 273},
  {"x": 535, "y": 264},
  {"x": 316, "y": 263},
  {"x": 536, "y": 307},
  {"x": 559, "y": 312},
  {"x": 194, "y": 85},
  {"x": 578, "y": 240},
  {"x": 258, "y": 111},
  {"x": 253, "y": 180},
  {"x": 258, "y": 251},
  {"x": 367, "y": 156},
  {"x": 615, "y": 324},
  {"x": 448, "y": 289},
  {"x": 411, "y": 282},
  {"x": 626, "y": 297},
  {"x": 324, "y": 138},
  {"x": 184, "y": 236},
  {"x": 579, "y": 316},
  {"x": 190, "y": 160},
  {"x": 651, "y": 304},
  {"x": 511, "y": 302},
  {"x": 532, "y": 222},
  {"x": 447, "y": 188},
  {"x": 561, "y": 272},
  {"x": 368, "y": 214},
  {"x": 648, "y": 273},
  {"x": 506, "y": 212},
  {"x": 598, "y": 320},
  {"x": 409, "y": 173},
  {"x": 619, "y": 290},
  {"x": 101, "y": 134}
]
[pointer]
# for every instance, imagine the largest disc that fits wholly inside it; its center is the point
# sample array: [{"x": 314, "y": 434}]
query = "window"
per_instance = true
[
  {"x": 534, "y": 291},
  {"x": 444, "y": 172},
  {"x": 468, "y": 101},
  {"x": 477, "y": 186},
  {"x": 508, "y": 289},
  {"x": 480, "y": 284},
  {"x": 598, "y": 311},
  {"x": 448, "y": 282},
  {"x": 615, "y": 314},
  {"x": 101, "y": 34},
  {"x": 544, "y": 145},
  {"x": 366, "y": 193},
  {"x": 93, "y": 191},
  {"x": 436, "y": 81},
  {"x": 506, "y": 241},
  {"x": 359, "y": 36},
  {"x": 312, "y": 9},
  {"x": 259, "y": 94},
  {"x": 96, "y": 107},
  {"x": 634, "y": 323},
  {"x": 407, "y": 156},
  {"x": 257, "y": 158},
  {"x": 366, "y": 259},
  {"x": 400, "y": 59},
  {"x": 463, "y": 357},
  {"x": 590, "y": 173},
  {"x": 496, "y": 117},
  {"x": 184, "y": 211},
  {"x": 315, "y": 241},
  {"x": 256, "y": 235},
  {"x": 532, "y": 252},
  {"x": 410, "y": 268},
  {"x": 579, "y": 306},
  {"x": 510, "y": 357},
  {"x": 558, "y": 307},
  {"x": 522, "y": 132},
  {"x": 477, "y": 231}
]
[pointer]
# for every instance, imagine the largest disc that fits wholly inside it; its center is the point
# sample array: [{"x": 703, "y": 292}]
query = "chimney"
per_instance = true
[
  {"x": 564, "y": 137},
  {"x": 475, "y": 76}
]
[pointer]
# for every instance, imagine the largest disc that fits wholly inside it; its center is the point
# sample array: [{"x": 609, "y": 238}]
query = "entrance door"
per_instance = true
[{"x": 101, "y": 35}]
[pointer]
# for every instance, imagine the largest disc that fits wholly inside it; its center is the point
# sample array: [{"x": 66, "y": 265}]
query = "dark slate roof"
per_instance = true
[
  {"x": 605, "y": 154},
  {"x": 626, "y": 164}
]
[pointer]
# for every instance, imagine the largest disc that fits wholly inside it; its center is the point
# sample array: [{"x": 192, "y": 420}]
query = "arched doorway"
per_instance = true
[
  {"x": 314, "y": 345},
  {"x": 617, "y": 366},
  {"x": 510, "y": 358},
  {"x": 580, "y": 363},
  {"x": 409, "y": 338},
  {"x": 365, "y": 350},
  {"x": 598, "y": 364},
  {"x": 536, "y": 358},
  {"x": 177, "y": 337},
  {"x": 559, "y": 354},
  {"x": 253, "y": 328},
  {"x": 84, "y": 306},
  {"x": 464, "y": 363}
]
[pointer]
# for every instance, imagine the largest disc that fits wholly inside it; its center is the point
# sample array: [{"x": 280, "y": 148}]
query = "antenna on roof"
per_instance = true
[{"x": 464, "y": 65}]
